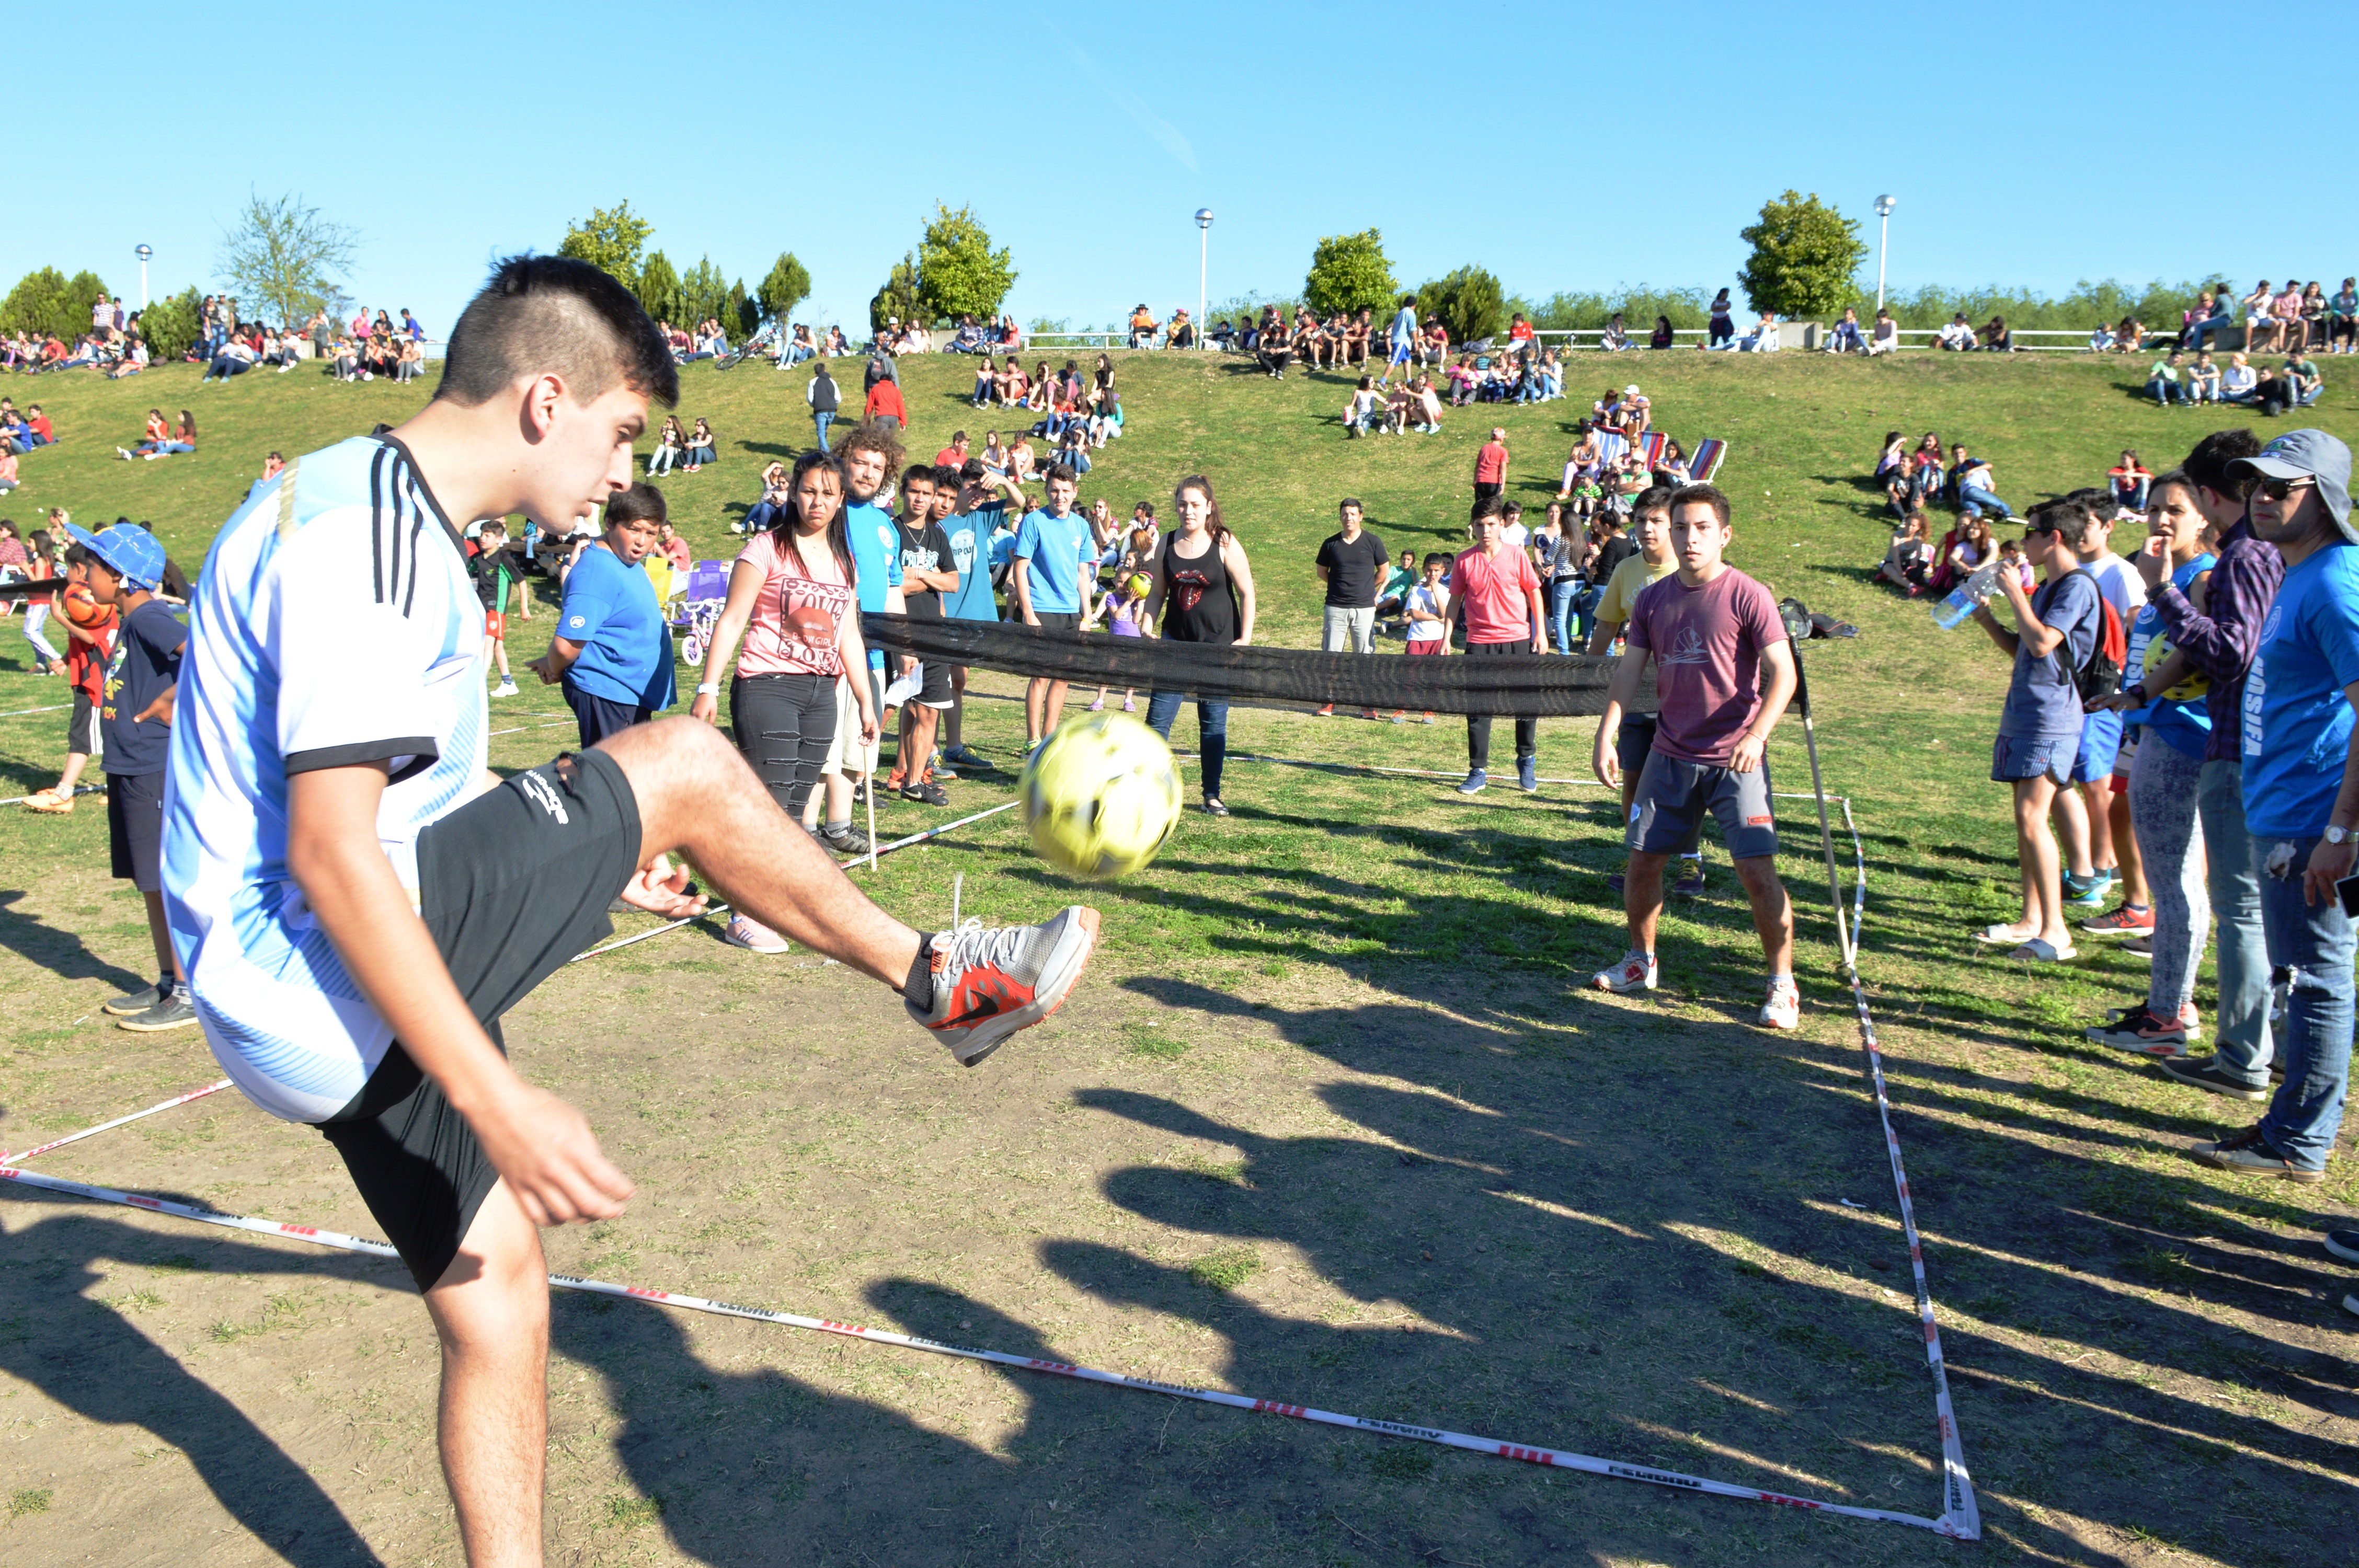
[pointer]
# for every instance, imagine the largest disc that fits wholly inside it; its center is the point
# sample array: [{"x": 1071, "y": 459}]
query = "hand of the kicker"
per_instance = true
[{"x": 544, "y": 1150}]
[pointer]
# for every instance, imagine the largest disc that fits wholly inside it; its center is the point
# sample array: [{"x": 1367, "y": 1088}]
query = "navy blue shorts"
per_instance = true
[
  {"x": 2015, "y": 758},
  {"x": 600, "y": 717}
]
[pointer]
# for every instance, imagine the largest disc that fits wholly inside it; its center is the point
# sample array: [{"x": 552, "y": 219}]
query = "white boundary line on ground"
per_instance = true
[
  {"x": 7, "y": 1158},
  {"x": 1533, "y": 1454}
]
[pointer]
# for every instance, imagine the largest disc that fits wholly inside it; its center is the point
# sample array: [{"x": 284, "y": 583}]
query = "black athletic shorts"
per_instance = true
[
  {"x": 934, "y": 685},
  {"x": 81, "y": 729},
  {"x": 1058, "y": 620},
  {"x": 135, "y": 828},
  {"x": 512, "y": 885}
]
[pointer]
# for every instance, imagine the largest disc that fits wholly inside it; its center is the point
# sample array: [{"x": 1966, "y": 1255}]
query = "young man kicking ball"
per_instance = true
[
  {"x": 357, "y": 902},
  {"x": 1724, "y": 672}
]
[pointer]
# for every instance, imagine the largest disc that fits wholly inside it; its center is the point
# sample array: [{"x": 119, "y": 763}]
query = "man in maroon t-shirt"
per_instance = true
[
  {"x": 1491, "y": 466},
  {"x": 1496, "y": 593},
  {"x": 1724, "y": 672}
]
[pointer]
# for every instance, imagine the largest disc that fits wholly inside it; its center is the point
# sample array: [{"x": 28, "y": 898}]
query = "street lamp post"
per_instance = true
[
  {"x": 1883, "y": 206},
  {"x": 143, "y": 252},
  {"x": 1203, "y": 266}
]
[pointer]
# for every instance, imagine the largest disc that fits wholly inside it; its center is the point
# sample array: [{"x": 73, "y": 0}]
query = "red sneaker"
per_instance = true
[
  {"x": 2130, "y": 920},
  {"x": 989, "y": 984}
]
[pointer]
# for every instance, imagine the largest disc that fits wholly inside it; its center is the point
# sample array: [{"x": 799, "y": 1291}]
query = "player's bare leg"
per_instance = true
[{"x": 491, "y": 1311}]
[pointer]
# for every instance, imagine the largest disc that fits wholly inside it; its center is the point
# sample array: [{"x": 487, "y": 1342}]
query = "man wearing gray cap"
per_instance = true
[{"x": 2301, "y": 793}]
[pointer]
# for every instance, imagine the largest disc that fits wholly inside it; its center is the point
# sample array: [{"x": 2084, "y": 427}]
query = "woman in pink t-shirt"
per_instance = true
[{"x": 792, "y": 600}]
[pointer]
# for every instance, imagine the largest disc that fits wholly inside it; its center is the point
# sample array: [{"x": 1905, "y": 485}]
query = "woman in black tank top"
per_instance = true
[{"x": 1204, "y": 592}]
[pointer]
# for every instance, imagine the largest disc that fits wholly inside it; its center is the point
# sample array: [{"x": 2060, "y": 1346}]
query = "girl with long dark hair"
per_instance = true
[
  {"x": 1204, "y": 592},
  {"x": 792, "y": 599}
]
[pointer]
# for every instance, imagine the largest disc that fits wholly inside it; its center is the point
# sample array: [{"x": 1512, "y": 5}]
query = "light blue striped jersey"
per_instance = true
[{"x": 334, "y": 623}]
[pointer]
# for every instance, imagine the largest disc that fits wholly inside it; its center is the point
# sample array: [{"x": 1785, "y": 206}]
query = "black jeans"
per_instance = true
[
  {"x": 1478, "y": 725},
  {"x": 783, "y": 725}
]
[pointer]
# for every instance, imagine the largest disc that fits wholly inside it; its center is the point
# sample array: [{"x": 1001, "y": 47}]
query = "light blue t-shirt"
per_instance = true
[
  {"x": 1405, "y": 326},
  {"x": 2042, "y": 703},
  {"x": 970, "y": 536},
  {"x": 2297, "y": 720},
  {"x": 2183, "y": 726},
  {"x": 1056, "y": 547},
  {"x": 610, "y": 608},
  {"x": 876, "y": 541}
]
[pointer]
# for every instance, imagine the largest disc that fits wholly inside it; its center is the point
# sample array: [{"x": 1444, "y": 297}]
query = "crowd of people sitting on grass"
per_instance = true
[{"x": 2294, "y": 382}]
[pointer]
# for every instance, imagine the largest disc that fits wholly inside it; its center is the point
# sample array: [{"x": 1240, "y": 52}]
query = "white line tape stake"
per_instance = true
[
  {"x": 6, "y": 1159},
  {"x": 1557, "y": 1458},
  {"x": 78, "y": 790},
  {"x": 53, "y": 707}
]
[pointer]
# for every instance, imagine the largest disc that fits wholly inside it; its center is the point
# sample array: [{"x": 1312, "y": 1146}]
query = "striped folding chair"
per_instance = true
[
  {"x": 1650, "y": 449},
  {"x": 1707, "y": 461}
]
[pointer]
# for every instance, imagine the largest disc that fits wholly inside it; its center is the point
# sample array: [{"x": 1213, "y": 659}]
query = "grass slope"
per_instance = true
[{"x": 1325, "y": 1084}]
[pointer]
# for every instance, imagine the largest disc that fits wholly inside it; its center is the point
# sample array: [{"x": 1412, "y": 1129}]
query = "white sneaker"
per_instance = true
[
  {"x": 752, "y": 935},
  {"x": 124, "y": 455},
  {"x": 1635, "y": 973},
  {"x": 1783, "y": 1010},
  {"x": 507, "y": 688}
]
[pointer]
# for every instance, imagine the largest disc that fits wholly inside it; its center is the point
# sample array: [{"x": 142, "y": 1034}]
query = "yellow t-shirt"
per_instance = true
[{"x": 1622, "y": 588}]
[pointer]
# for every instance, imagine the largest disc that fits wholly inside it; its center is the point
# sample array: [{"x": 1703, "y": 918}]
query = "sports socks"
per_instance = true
[{"x": 919, "y": 987}]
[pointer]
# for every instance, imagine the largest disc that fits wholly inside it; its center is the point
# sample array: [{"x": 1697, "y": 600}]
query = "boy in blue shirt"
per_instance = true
[
  {"x": 1049, "y": 587},
  {"x": 974, "y": 520},
  {"x": 134, "y": 716},
  {"x": 611, "y": 652},
  {"x": 2302, "y": 795},
  {"x": 872, "y": 457},
  {"x": 2040, "y": 728}
]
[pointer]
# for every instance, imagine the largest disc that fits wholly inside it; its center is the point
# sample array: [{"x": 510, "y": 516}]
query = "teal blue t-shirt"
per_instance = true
[
  {"x": 1056, "y": 547},
  {"x": 2297, "y": 720},
  {"x": 876, "y": 541}
]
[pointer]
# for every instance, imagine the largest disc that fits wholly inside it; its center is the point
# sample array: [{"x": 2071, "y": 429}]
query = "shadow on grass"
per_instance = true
[{"x": 63, "y": 953}]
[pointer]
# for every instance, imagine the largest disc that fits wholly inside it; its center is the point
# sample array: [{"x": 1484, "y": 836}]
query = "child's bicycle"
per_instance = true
[
  {"x": 756, "y": 347},
  {"x": 699, "y": 609}
]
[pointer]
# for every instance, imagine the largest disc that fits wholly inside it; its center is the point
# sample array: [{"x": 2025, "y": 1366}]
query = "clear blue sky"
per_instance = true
[{"x": 1509, "y": 134}]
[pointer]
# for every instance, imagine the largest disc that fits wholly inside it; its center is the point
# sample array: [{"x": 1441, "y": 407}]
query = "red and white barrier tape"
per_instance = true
[
  {"x": 53, "y": 707},
  {"x": 1532, "y": 1454},
  {"x": 7, "y": 1158},
  {"x": 78, "y": 790}
]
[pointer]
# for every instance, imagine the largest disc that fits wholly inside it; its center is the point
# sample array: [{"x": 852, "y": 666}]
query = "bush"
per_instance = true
[
  {"x": 1637, "y": 306},
  {"x": 1349, "y": 272},
  {"x": 1468, "y": 302},
  {"x": 170, "y": 326},
  {"x": 46, "y": 302}
]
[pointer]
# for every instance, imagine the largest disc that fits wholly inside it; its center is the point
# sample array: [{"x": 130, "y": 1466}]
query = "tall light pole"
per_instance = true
[
  {"x": 1883, "y": 206},
  {"x": 143, "y": 252},
  {"x": 1203, "y": 266}
]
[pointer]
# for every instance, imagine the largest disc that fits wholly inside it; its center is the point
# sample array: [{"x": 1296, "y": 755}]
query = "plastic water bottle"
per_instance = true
[{"x": 1967, "y": 598}]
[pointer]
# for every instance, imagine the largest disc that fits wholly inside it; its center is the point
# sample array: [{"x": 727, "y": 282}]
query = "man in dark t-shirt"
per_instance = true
[
  {"x": 928, "y": 571},
  {"x": 1351, "y": 564}
]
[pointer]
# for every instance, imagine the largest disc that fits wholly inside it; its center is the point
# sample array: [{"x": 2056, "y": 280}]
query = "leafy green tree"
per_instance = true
[
  {"x": 1804, "y": 253},
  {"x": 658, "y": 288},
  {"x": 1349, "y": 272},
  {"x": 899, "y": 299},
  {"x": 702, "y": 292},
  {"x": 170, "y": 326},
  {"x": 36, "y": 304},
  {"x": 283, "y": 257},
  {"x": 610, "y": 239},
  {"x": 744, "y": 312},
  {"x": 958, "y": 272},
  {"x": 1468, "y": 302},
  {"x": 788, "y": 286}
]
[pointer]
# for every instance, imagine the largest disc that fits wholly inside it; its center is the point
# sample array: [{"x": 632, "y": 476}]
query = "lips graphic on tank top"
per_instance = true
[{"x": 1192, "y": 586}]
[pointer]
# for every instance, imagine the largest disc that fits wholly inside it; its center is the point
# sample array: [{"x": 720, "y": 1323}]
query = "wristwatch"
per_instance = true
[
  {"x": 2337, "y": 835},
  {"x": 708, "y": 688}
]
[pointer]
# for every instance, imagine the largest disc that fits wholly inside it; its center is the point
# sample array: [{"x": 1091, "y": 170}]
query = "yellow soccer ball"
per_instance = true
[
  {"x": 2191, "y": 687},
  {"x": 1140, "y": 585},
  {"x": 1102, "y": 797}
]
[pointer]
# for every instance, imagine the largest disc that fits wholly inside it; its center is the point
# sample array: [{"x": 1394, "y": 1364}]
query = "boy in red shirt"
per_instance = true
[
  {"x": 1724, "y": 672},
  {"x": 1491, "y": 467},
  {"x": 90, "y": 631},
  {"x": 1496, "y": 593}
]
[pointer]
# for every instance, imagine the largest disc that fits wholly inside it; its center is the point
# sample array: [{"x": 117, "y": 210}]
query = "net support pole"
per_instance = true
[{"x": 1819, "y": 791}]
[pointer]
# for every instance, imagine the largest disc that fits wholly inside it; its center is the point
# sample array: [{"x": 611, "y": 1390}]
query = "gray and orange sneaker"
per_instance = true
[{"x": 989, "y": 984}]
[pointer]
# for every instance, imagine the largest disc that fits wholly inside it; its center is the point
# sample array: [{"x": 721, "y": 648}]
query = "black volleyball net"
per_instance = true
[{"x": 1534, "y": 684}]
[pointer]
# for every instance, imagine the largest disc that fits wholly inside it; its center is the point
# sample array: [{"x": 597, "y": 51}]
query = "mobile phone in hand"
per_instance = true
[{"x": 2348, "y": 890}]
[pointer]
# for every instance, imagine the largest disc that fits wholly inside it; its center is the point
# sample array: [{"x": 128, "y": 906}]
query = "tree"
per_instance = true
[
  {"x": 658, "y": 288},
  {"x": 1468, "y": 302},
  {"x": 283, "y": 256},
  {"x": 36, "y": 305},
  {"x": 702, "y": 292},
  {"x": 170, "y": 326},
  {"x": 610, "y": 239},
  {"x": 744, "y": 314},
  {"x": 958, "y": 272},
  {"x": 1349, "y": 272},
  {"x": 788, "y": 286},
  {"x": 1804, "y": 253},
  {"x": 899, "y": 300}
]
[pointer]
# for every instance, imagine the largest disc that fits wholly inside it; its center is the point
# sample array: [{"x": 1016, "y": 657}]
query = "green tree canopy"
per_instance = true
[
  {"x": 658, "y": 288},
  {"x": 283, "y": 257},
  {"x": 702, "y": 292},
  {"x": 899, "y": 299},
  {"x": 169, "y": 325},
  {"x": 37, "y": 304},
  {"x": 958, "y": 272},
  {"x": 611, "y": 239},
  {"x": 1349, "y": 272},
  {"x": 1468, "y": 302},
  {"x": 1804, "y": 253},
  {"x": 744, "y": 312},
  {"x": 788, "y": 286}
]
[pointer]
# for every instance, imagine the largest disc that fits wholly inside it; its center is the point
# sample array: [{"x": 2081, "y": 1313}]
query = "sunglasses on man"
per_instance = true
[{"x": 2279, "y": 488}]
